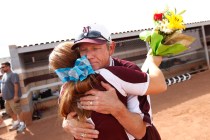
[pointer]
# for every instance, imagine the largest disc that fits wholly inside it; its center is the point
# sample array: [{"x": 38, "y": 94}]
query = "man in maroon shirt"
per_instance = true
[{"x": 95, "y": 42}]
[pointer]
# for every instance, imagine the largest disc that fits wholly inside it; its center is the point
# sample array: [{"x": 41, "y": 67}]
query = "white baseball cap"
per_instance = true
[{"x": 95, "y": 33}]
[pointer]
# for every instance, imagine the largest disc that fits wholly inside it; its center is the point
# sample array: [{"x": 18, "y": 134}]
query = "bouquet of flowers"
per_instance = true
[{"x": 166, "y": 38}]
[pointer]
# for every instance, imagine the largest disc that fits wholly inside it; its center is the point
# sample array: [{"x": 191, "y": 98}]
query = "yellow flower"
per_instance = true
[{"x": 175, "y": 21}]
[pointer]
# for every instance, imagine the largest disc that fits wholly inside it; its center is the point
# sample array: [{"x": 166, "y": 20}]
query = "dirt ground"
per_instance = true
[
  {"x": 181, "y": 113},
  {"x": 48, "y": 128}
]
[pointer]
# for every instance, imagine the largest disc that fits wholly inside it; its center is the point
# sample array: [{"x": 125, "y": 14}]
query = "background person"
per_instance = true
[
  {"x": 11, "y": 93},
  {"x": 1, "y": 100},
  {"x": 95, "y": 42}
]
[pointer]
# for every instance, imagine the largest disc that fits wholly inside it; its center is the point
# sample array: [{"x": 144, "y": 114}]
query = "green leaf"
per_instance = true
[
  {"x": 166, "y": 50},
  {"x": 145, "y": 36},
  {"x": 155, "y": 42},
  {"x": 182, "y": 12}
]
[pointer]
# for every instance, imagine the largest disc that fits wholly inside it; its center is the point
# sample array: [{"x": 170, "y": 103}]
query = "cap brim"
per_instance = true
[{"x": 88, "y": 40}]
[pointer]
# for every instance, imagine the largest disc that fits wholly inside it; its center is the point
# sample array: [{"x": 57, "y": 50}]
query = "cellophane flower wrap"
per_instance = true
[{"x": 166, "y": 38}]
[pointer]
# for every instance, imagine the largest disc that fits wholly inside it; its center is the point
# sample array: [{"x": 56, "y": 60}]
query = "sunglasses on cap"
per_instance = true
[{"x": 90, "y": 35}]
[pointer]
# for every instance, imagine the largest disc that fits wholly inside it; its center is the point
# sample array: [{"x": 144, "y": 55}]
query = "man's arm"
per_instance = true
[
  {"x": 15, "y": 81},
  {"x": 107, "y": 102},
  {"x": 16, "y": 98},
  {"x": 131, "y": 122}
]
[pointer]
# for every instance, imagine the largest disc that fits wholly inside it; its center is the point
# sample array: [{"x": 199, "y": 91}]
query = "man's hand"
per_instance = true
[
  {"x": 79, "y": 130},
  {"x": 105, "y": 102},
  {"x": 16, "y": 99}
]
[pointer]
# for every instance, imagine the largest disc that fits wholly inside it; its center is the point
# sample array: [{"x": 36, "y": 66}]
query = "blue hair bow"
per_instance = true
[{"x": 79, "y": 72}]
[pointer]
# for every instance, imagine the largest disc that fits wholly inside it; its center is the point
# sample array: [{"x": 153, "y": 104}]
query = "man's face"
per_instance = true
[
  {"x": 98, "y": 55},
  {"x": 4, "y": 68}
]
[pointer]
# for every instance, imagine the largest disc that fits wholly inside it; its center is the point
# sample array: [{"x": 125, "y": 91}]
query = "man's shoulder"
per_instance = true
[
  {"x": 13, "y": 73},
  {"x": 125, "y": 63}
]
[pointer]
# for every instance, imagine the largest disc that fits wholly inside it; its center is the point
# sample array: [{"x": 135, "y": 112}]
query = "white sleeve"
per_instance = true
[{"x": 125, "y": 88}]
